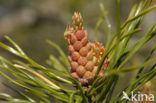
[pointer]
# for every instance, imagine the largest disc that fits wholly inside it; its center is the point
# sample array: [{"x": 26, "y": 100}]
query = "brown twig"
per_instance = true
[{"x": 38, "y": 75}]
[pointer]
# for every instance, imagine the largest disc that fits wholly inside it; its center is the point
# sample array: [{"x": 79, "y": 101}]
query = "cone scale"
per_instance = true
[{"x": 84, "y": 55}]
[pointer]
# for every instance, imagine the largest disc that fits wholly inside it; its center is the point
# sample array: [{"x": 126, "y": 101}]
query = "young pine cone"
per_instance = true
[
  {"x": 84, "y": 56},
  {"x": 145, "y": 90}
]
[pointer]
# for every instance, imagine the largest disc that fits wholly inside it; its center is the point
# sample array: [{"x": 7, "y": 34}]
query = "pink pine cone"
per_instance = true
[{"x": 84, "y": 56}]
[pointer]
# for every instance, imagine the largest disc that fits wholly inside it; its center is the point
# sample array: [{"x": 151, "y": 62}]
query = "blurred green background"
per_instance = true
[{"x": 31, "y": 22}]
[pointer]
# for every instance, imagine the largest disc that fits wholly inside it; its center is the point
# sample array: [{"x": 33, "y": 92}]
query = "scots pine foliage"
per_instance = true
[{"x": 40, "y": 83}]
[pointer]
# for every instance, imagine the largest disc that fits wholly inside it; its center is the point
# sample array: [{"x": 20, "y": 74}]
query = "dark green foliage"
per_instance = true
[{"x": 56, "y": 82}]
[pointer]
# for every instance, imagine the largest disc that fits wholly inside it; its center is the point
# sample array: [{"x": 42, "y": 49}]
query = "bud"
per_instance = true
[
  {"x": 77, "y": 21},
  {"x": 84, "y": 55}
]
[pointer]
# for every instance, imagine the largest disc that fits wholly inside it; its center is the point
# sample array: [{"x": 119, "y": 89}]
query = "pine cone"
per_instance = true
[
  {"x": 84, "y": 55},
  {"x": 145, "y": 89}
]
